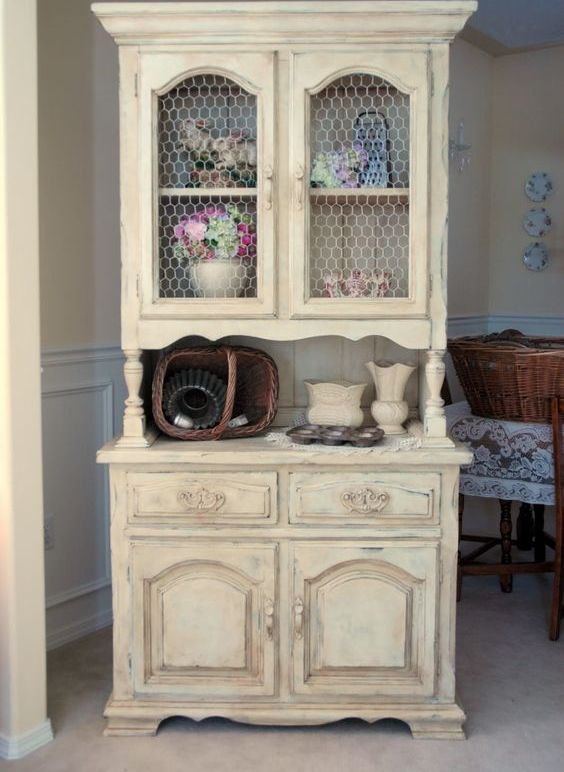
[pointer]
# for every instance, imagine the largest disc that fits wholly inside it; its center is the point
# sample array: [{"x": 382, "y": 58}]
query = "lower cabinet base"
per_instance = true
[{"x": 426, "y": 721}]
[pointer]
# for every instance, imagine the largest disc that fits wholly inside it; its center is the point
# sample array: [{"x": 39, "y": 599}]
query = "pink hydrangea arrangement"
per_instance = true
[{"x": 215, "y": 232}]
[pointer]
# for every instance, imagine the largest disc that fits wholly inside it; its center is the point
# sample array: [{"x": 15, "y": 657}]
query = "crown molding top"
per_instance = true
[{"x": 365, "y": 21}]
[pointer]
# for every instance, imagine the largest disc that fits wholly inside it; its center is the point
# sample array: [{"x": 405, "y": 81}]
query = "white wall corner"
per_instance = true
[{"x": 18, "y": 746}]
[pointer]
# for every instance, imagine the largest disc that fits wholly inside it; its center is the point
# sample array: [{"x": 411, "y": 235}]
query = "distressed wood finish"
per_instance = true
[{"x": 268, "y": 585}]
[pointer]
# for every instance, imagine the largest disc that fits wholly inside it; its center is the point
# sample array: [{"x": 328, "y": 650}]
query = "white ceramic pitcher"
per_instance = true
[{"x": 389, "y": 409}]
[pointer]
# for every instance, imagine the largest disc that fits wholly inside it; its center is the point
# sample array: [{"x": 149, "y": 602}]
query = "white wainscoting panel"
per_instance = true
[{"x": 83, "y": 395}]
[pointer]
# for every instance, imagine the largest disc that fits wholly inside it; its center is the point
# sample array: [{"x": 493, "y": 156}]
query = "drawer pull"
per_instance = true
[
  {"x": 269, "y": 618},
  {"x": 201, "y": 499},
  {"x": 299, "y": 619},
  {"x": 365, "y": 500}
]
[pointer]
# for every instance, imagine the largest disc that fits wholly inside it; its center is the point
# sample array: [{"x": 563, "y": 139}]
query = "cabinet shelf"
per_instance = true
[
  {"x": 337, "y": 195},
  {"x": 207, "y": 192}
]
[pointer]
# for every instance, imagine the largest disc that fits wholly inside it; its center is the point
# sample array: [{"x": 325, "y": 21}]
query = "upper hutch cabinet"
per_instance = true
[
  {"x": 360, "y": 163},
  {"x": 277, "y": 165}
]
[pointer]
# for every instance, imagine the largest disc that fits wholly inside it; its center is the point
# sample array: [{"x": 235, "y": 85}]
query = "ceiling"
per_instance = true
[{"x": 511, "y": 25}]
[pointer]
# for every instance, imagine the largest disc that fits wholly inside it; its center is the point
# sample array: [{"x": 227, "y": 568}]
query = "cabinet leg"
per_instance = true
[
  {"x": 505, "y": 526},
  {"x": 540, "y": 544},
  {"x": 117, "y": 726},
  {"x": 437, "y": 729}
]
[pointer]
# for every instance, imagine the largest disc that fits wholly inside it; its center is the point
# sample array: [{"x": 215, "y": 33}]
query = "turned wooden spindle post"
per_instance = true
[
  {"x": 134, "y": 425},
  {"x": 435, "y": 420}
]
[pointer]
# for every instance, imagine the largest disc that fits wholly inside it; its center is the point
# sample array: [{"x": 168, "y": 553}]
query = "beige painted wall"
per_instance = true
[
  {"x": 470, "y": 101},
  {"x": 527, "y": 136},
  {"x": 78, "y": 177}
]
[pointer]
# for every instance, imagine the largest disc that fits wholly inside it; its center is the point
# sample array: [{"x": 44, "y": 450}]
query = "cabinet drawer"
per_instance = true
[
  {"x": 192, "y": 497},
  {"x": 364, "y": 498}
]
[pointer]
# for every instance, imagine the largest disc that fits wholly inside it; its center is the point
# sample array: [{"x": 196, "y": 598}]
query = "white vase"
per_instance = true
[
  {"x": 224, "y": 278},
  {"x": 390, "y": 410},
  {"x": 336, "y": 403}
]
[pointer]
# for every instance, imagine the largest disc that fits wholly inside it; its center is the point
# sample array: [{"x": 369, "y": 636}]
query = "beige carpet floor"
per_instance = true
[{"x": 511, "y": 683}]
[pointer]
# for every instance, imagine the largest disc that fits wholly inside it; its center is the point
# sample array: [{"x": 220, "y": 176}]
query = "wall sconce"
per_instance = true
[{"x": 458, "y": 151}]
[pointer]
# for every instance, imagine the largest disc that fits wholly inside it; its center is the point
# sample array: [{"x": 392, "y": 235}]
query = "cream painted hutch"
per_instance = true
[{"x": 269, "y": 584}]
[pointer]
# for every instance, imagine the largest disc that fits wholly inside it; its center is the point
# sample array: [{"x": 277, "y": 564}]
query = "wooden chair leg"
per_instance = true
[
  {"x": 459, "y": 571},
  {"x": 540, "y": 543},
  {"x": 525, "y": 527},
  {"x": 557, "y": 410},
  {"x": 505, "y": 527}
]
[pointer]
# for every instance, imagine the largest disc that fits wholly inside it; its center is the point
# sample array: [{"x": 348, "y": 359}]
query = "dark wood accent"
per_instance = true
[
  {"x": 524, "y": 527},
  {"x": 556, "y": 413},
  {"x": 493, "y": 569},
  {"x": 539, "y": 537},
  {"x": 505, "y": 526}
]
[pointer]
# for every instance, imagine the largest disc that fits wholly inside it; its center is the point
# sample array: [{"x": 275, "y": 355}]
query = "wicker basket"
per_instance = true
[
  {"x": 252, "y": 388},
  {"x": 509, "y": 376}
]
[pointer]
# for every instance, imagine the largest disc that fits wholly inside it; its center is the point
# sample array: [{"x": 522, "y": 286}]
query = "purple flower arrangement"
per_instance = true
[
  {"x": 339, "y": 168},
  {"x": 216, "y": 232}
]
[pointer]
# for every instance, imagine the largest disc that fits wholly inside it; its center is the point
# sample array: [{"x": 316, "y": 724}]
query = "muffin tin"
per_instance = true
[{"x": 336, "y": 435}]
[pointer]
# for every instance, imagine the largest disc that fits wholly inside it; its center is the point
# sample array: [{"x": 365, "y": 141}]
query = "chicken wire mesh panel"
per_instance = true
[
  {"x": 359, "y": 249},
  {"x": 207, "y": 247},
  {"x": 207, "y": 134},
  {"x": 359, "y": 134}
]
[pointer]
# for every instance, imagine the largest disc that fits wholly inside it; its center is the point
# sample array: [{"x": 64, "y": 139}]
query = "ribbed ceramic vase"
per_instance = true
[
  {"x": 389, "y": 409},
  {"x": 336, "y": 403}
]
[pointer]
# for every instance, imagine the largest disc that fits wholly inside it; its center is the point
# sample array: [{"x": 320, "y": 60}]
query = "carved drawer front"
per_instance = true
[
  {"x": 364, "y": 498},
  {"x": 363, "y": 619},
  {"x": 206, "y": 620},
  {"x": 224, "y": 497}
]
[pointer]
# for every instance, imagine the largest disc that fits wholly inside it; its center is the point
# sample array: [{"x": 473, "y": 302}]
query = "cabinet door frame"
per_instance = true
[
  {"x": 410, "y": 72},
  {"x": 411, "y": 570},
  {"x": 249, "y": 570},
  {"x": 158, "y": 72}
]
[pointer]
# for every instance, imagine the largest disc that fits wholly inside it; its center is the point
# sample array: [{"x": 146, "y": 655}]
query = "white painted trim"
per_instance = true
[
  {"x": 79, "y": 629},
  {"x": 532, "y": 325},
  {"x": 78, "y": 592},
  {"x": 476, "y": 324},
  {"x": 87, "y": 354},
  {"x": 18, "y": 746}
]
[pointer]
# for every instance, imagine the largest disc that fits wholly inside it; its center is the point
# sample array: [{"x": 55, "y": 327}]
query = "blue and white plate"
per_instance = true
[
  {"x": 538, "y": 186},
  {"x": 535, "y": 256},
  {"x": 537, "y": 221}
]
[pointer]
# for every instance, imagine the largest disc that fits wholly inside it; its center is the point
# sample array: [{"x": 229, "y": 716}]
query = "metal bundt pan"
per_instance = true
[{"x": 194, "y": 399}]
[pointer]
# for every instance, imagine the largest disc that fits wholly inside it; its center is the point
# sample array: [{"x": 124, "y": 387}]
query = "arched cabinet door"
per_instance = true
[
  {"x": 206, "y": 184},
  {"x": 359, "y": 164},
  {"x": 206, "y": 619},
  {"x": 364, "y": 619}
]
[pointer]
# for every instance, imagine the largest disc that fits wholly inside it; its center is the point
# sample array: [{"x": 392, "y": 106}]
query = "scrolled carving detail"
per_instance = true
[
  {"x": 365, "y": 500},
  {"x": 201, "y": 499}
]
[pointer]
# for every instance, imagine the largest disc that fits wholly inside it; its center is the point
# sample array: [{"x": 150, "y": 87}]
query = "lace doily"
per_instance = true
[{"x": 511, "y": 460}]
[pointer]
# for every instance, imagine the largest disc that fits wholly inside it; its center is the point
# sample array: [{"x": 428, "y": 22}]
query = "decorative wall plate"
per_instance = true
[
  {"x": 535, "y": 256},
  {"x": 538, "y": 186},
  {"x": 537, "y": 221}
]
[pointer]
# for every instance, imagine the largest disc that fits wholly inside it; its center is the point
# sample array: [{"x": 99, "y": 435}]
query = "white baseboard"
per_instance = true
[
  {"x": 18, "y": 746},
  {"x": 78, "y": 629}
]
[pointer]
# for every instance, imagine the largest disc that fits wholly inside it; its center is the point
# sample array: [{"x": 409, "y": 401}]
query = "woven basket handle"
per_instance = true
[{"x": 227, "y": 415}]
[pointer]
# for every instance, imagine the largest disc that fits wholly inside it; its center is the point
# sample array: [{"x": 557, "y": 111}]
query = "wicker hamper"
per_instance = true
[
  {"x": 252, "y": 388},
  {"x": 508, "y": 375}
]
